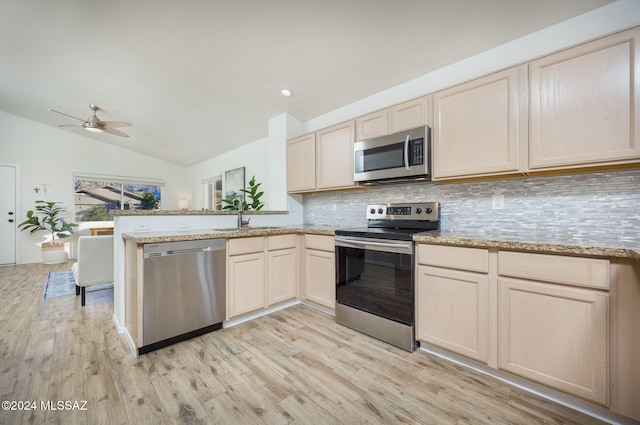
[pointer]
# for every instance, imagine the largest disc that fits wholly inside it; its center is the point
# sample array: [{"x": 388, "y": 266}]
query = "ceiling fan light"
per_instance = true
[
  {"x": 94, "y": 128},
  {"x": 285, "y": 92}
]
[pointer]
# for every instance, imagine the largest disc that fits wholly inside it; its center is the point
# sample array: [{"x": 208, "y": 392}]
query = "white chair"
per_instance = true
[{"x": 95, "y": 263}]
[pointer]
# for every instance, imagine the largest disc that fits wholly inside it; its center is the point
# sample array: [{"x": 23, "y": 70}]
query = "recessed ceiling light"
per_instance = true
[{"x": 285, "y": 92}]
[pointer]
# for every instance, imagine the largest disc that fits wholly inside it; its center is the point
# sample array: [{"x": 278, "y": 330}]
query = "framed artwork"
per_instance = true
[{"x": 233, "y": 182}]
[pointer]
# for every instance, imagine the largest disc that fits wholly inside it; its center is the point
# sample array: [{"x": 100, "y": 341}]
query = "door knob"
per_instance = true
[
  {"x": 10, "y": 220},
  {"x": 10, "y": 212}
]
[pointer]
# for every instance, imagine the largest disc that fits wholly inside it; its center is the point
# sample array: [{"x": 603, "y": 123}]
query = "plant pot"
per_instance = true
[{"x": 54, "y": 253}]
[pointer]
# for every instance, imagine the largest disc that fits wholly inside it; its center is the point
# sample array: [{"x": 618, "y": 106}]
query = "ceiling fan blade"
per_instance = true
[
  {"x": 71, "y": 125},
  {"x": 67, "y": 115},
  {"x": 114, "y": 124},
  {"x": 115, "y": 132}
]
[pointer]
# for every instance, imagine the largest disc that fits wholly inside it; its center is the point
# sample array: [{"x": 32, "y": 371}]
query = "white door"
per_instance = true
[{"x": 8, "y": 219}]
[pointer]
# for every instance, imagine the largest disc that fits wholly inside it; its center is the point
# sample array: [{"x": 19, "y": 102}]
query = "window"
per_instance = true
[
  {"x": 97, "y": 197},
  {"x": 212, "y": 193}
]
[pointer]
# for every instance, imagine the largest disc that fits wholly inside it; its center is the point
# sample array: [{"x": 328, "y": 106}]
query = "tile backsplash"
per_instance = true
[{"x": 598, "y": 206}]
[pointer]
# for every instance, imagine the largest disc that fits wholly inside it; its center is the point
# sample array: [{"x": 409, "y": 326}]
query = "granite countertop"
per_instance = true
[
  {"x": 196, "y": 234},
  {"x": 195, "y": 212},
  {"x": 553, "y": 244}
]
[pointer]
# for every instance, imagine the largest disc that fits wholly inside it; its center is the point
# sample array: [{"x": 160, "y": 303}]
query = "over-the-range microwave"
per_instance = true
[{"x": 394, "y": 158}]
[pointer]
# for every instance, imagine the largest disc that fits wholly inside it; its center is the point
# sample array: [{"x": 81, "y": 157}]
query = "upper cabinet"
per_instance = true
[
  {"x": 301, "y": 163},
  {"x": 334, "y": 156},
  {"x": 375, "y": 124},
  {"x": 577, "y": 108},
  {"x": 480, "y": 127},
  {"x": 321, "y": 160},
  {"x": 403, "y": 116},
  {"x": 585, "y": 104},
  {"x": 408, "y": 115}
]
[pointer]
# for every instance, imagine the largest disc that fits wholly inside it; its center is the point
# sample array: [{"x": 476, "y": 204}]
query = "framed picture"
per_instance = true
[{"x": 233, "y": 182}]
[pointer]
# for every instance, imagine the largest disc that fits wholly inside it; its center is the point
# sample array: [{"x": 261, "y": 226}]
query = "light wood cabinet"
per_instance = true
[
  {"x": 334, "y": 156},
  {"x": 555, "y": 335},
  {"x": 375, "y": 124},
  {"x": 403, "y": 116},
  {"x": 480, "y": 127},
  {"x": 301, "y": 163},
  {"x": 282, "y": 264},
  {"x": 261, "y": 272},
  {"x": 246, "y": 284},
  {"x": 452, "y": 310},
  {"x": 321, "y": 160},
  {"x": 319, "y": 273},
  {"x": 452, "y": 299},
  {"x": 585, "y": 104},
  {"x": 408, "y": 115}
]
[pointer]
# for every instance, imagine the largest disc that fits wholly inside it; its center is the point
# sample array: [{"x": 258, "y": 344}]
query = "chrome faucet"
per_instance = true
[{"x": 241, "y": 222}]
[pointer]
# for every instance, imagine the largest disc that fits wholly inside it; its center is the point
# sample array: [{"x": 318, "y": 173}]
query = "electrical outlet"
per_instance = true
[{"x": 497, "y": 202}]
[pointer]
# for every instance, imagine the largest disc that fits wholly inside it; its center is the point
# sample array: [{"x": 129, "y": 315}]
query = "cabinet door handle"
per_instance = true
[{"x": 10, "y": 220}]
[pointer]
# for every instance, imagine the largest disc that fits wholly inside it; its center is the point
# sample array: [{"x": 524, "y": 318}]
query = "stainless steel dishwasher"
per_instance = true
[{"x": 183, "y": 291}]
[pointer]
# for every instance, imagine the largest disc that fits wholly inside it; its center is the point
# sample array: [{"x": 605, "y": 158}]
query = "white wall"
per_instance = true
[
  {"x": 52, "y": 155},
  {"x": 266, "y": 159},
  {"x": 252, "y": 156}
]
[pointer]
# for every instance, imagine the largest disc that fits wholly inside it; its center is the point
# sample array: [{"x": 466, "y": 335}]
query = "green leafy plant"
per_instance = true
[
  {"x": 46, "y": 217},
  {"x": 234, "y": 201},
  {"x": 252, "y": 192}
]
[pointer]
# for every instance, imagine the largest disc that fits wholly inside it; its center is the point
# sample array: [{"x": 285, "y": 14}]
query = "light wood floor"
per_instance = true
[{"x": 292, "y": 367}]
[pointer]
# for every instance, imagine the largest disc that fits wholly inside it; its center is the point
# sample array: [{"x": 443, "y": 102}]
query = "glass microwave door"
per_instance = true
[{"x": 381, "y": 158}]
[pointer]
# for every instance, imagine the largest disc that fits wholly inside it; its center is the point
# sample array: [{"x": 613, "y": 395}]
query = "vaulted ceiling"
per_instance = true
[{"x": 197, "y": 78}]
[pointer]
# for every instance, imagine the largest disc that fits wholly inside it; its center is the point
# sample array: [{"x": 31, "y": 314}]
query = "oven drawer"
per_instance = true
[{"x": 454, "y": 257}]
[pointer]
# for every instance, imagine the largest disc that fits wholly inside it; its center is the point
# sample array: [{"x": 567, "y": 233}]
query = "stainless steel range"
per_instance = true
[{"x": 375, "y": 282}]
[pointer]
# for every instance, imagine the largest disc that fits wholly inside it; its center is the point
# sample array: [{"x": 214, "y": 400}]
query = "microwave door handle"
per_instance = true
[{"x": 406, "y": 154}]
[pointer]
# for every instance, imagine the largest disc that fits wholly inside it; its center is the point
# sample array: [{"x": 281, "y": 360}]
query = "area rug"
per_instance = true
[{"x": 62, "y": 284}]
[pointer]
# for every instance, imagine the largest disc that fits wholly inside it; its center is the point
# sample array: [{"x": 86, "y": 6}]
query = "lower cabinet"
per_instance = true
[
  {"x": 261, "y": 272},
  {"x": 451, "y": 299},
  {"x": 452, "y": 310},
  {"x": 553, "y": 321},
  {"x": 540, "y": 316},
  {"x": 282, "y": 265},
  {"x": 319, "y": 270},
  {"x": 245, "y": 276},
  {"x": 555, "y": 335}
]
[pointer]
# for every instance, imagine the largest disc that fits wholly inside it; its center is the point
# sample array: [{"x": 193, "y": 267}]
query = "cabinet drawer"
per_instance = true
[
  {"x": 454, "y": 257},
  {"x": 319, "y": 242},
  {"x": 245, "y": 245},
  {"x": 589, "y": 272},
  {"x": 281, "y": 242}
]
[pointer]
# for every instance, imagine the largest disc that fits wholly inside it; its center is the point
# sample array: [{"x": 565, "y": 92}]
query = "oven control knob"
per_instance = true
[
  {"x": 418, "y": 210},
  {"x": 372, "y": 210},
  {"x": 428, "y": 210},
  {"x": 380, "y": 211}
]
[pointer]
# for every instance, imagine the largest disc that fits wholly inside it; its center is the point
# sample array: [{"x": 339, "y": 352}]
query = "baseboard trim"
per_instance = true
[
  {"x": 574, "y": 403},
  {"x": 238, "y": 320}
]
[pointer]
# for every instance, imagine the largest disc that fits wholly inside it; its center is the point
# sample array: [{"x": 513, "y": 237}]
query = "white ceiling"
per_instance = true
[{"x": 198, "y": 78}]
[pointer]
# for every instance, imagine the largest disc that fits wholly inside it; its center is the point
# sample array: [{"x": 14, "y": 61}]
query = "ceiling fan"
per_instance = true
[{"x": 94, "y": 124}]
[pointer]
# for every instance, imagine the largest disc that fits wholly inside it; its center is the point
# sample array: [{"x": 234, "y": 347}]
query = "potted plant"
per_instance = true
[
  {"x": 235, "y": 202},
  {"x": 46, "y": 217}
]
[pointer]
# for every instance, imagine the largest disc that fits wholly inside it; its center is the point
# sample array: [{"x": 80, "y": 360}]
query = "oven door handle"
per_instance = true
[
  {"x": 403, "y": 248},
  {"x": 406, "y": 154}
]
